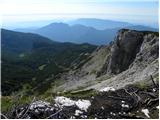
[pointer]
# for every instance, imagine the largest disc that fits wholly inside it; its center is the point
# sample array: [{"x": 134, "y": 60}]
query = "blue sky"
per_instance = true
[{"x": 134, "y": 11}]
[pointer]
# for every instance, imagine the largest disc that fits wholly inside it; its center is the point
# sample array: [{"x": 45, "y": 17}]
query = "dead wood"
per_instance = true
[
  {"x": 152, "y": 101},
  {"x": 5, "y": 117},
  {"x": 153, "y": 82},
  {"x": 54, "y": 114},
  {"x": 28, "y": 108},
  {"x": 151, "y": 94}
]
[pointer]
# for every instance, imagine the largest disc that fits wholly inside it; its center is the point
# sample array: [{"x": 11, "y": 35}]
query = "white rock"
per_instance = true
[
  {"x": 114, "y": 114},
  {"x": 106, "y": 89},
  {"x": 125, "y": 105},
  {"x": 157, "y": 107},
  {"x": 72, "y": 117},
  {"x": 83, "y": 104},
  {"x": 40, "y": 104},
  {"x": 52, "y": 109},
  {"x": 154, "y": 90},
  {"x": 123, "y": 101},
  {"x": 146, "y": 112},
  {"x": 64, "y": 101},
  {"x": 31, "y": 107},
  {"x": 36, "y": 111},
  {"x": 78, "y": 112}
]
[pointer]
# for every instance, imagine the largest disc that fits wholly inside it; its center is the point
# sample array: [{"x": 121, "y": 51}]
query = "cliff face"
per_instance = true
[
  {"x": 130, "y": 46},
  {"x": 132, "y": 56},
  {"x": 142, "y": 64},
  {"x": 124, "y": 50}
]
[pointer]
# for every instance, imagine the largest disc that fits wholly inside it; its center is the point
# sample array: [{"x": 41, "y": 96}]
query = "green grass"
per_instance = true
[
  {"x": 141, "y": 85},
  {"x": 6, "y": 103},
  {"x": 144, "y": 84},
  {"x": 79, "y": 94}
]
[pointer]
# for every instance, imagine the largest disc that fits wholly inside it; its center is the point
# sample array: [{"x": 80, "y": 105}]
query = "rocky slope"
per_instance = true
[{"x": 132, "y": 57}]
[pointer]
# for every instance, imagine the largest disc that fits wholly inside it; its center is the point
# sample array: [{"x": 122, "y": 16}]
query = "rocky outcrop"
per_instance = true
[
  {"x": 140, "y": 69},
  {"x": 132, "y": 56},
  {"x": 124, "y": 50},
  {"x": 149, "y": 50},
  {"x": 130, "y": 46}
]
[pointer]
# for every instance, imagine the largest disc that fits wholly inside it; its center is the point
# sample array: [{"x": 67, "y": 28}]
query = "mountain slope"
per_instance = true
[
  {"x": 18, "y": 42},
  {"x": 76, "y": 34},
  {"x": 29, "y": 59},
  {"x": 82, "y": 34},
  {"x": 126, "y": 60}
]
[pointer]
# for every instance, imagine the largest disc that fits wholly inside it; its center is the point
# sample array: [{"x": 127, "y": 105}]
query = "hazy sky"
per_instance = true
[{"x": 134, "y": 11}]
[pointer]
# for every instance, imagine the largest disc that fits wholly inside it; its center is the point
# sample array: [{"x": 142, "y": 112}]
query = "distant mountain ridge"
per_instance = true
[
  {"x": 100, "y": 24},
  {"x": 85, "y": 31},
  {"x": 82, "y": 34},
  {"x": 77, "y": 33}
]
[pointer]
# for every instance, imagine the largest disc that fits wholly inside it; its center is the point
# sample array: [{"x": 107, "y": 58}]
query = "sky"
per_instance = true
[{"x": 19, "y": 12}]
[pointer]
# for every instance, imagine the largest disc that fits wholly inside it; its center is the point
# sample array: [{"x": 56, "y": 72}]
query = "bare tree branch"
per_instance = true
[
  {"x": 54, "y": 114},
  {"x": 4, "y": 116},
  {"x": 153, "y": 82}
]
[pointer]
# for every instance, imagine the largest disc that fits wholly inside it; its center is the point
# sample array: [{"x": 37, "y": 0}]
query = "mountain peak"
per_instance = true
[{"x": 56, "y": 24}]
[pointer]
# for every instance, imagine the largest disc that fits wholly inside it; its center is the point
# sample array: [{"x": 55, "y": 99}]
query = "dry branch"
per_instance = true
[
  {"x": 153, "y": 82},
  {"x": 28, "y": 108},
  {"x": 54, "y": 114},
  {"x": 5, "y": 117}
]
